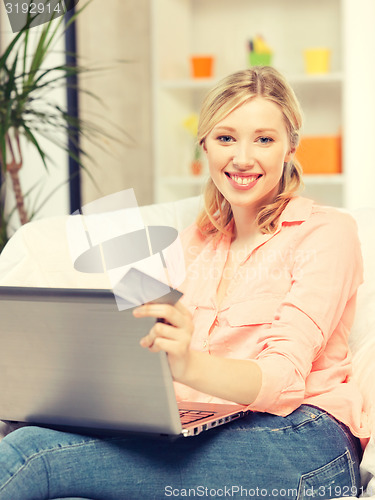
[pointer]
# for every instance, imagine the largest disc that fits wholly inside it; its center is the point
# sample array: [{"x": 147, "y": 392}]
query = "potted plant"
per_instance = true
[{"x": 26, "y": 110}]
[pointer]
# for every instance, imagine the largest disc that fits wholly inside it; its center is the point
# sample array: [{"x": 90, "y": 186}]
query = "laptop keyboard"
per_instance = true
[{"x": 190, "y": 416}]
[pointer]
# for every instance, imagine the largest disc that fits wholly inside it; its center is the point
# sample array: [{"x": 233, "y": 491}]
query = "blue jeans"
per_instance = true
[{"x": 303, "y": 455}]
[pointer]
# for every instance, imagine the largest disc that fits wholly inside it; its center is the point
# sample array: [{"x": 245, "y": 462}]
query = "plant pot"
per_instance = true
[
  {"x": 201, "y": 66},
  {"x": 260, "y": 59}
]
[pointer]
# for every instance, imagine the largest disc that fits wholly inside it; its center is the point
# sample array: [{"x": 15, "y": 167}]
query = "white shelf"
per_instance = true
[
  {"x": 332, "y": 179},
  {"x": 334, "y": 103},
  {"x": 207, "y": 83},
  {"x": 305, "y": 79},
  {"x": 208, "y": 27},
  {"x": 188, "y": 84},
  {"x": 191, "y": 180}
]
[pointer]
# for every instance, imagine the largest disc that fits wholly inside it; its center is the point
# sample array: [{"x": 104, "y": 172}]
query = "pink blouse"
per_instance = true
[{"x": 289, "y": 307}]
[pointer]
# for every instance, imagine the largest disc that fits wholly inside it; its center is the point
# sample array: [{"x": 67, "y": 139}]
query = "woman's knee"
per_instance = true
[
  {"x": 33, "y": 459},
  {"x": 22, "y": 469},
  {"x": 28, "y": 440}
]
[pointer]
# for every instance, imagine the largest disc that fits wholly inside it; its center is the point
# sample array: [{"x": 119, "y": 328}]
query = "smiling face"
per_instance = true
[{"x": 246, "y": 152}]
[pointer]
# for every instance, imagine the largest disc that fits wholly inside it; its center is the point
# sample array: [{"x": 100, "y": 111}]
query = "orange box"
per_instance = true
[
  {"x": 320, "y": 154},
  {"x": 202, "y": 66}
]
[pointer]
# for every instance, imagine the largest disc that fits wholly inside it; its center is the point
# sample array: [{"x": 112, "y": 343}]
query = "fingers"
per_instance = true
[
  {"x": 159, "y": 331},
  {"x": 173, "y": 331},
  {"x": 170, "y": 314}
]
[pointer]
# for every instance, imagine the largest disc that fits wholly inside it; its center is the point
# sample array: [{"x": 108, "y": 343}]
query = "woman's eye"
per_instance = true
[
  {"x": 264, "y": 140},
  {"x": 225, "y": 138}
]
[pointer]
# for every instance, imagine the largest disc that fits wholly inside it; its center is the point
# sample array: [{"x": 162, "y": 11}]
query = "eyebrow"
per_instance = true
[
  {"x": 228, "y": 129},
  {"x": 266, "y": 129},
  {"x": 256, "y": 131}
]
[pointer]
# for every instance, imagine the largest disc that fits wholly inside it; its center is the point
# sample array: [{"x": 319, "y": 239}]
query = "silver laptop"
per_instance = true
[{"x": 69, "y": 357}]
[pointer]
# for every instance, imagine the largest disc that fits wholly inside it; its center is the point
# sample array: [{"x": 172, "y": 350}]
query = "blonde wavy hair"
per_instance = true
[{"x": 229, "y": 94}]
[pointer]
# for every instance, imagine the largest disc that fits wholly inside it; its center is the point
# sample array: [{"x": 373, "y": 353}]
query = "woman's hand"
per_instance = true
[
  {"x": 172, "y": 334},
  {"x": 237, "y": 380}
]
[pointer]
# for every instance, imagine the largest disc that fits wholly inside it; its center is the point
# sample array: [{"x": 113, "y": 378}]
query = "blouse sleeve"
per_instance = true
[{"x": 325, "y": 275}]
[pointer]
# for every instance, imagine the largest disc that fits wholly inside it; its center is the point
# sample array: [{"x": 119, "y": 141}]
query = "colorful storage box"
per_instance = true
[
  {"x": 202, "y": 66},
  {"x": 320, "y": 154}
]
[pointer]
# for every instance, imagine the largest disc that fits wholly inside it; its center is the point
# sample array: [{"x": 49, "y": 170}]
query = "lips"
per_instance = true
[{"x": 241, "y": 181}]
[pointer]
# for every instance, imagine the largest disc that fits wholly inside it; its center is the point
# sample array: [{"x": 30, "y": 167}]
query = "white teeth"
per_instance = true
[{"x": 245, "y": 181}]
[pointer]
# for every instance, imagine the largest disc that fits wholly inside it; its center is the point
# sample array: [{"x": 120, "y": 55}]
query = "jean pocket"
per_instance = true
[{"x": 334, "y": 480}]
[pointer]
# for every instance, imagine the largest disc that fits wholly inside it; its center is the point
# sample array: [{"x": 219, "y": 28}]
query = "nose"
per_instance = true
[{"x": 243, "y": 157}]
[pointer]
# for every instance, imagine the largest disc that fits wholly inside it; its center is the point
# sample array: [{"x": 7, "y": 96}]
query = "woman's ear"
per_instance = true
[
  {"x": 290, "y": 155},
  {"x": 203, "y": 144}
]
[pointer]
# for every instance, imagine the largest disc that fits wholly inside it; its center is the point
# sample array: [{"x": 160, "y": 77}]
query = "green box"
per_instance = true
[{"x": 260, "y": 59}]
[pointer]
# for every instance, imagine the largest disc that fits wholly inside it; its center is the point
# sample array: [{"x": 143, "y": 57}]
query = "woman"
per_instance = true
[{"x": 268, "y": 303}]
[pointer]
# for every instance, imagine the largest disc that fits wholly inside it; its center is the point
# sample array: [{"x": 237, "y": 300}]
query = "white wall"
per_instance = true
[
  {"x": 359, "y": 122},
  {"x": 121, "y": 34}
]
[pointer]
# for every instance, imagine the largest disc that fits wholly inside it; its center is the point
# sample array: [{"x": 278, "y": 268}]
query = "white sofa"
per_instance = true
[{"x": 38, "y": 255}]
